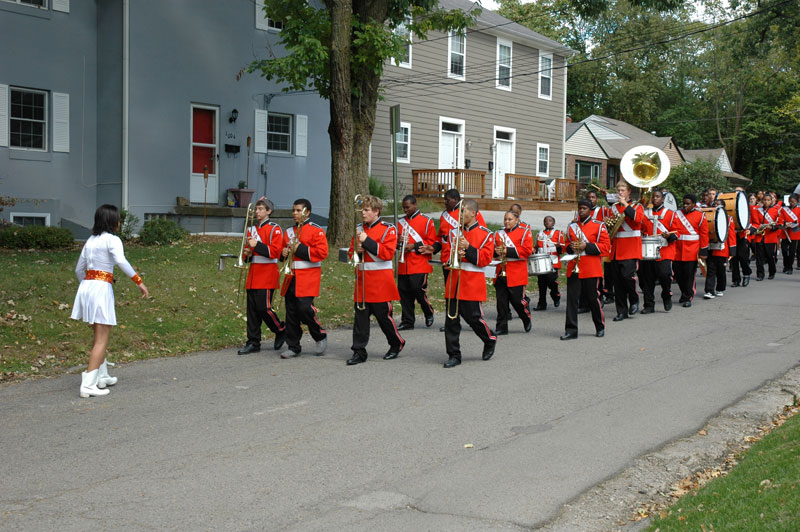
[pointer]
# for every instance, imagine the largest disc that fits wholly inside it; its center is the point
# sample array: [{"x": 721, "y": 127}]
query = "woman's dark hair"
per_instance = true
[{"x": 106, "y": 219}]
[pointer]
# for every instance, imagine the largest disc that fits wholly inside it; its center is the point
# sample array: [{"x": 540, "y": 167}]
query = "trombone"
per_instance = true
[
  {"x": 356, "y": 261},
  {"x": 286, "y": 270},
  {"x": 454, "y": 262},
  {"x": 240, "y": 263}
]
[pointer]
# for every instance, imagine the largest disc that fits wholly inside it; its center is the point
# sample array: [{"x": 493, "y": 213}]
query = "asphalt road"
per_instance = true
[{"x": 216, "y": 441}]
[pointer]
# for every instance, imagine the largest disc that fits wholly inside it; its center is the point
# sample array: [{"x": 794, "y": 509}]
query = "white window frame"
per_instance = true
[
  {"x": 214, "y": 145},
  {"x": 21, "y": 3},
  {"x": 463, "y": 54},
  {"x": 404, "y": 160},
  {"x": 539, "y": 147},
  {"x": 45, "y": 215},
  {"x": 593, "y": 165},
  {"x": 263, "y": 22},
  {"x": 513, "y": 141},
  {"x": 290, "y": 135},
  {"x": 407, "y": 33},
  {"x": 545, "y": 74},
  {"x": 274, "y": 25},
  {"x": 463, "y": 133},
  {"x": 510, "y": 46},
  {"x": 47, "y": 123}
]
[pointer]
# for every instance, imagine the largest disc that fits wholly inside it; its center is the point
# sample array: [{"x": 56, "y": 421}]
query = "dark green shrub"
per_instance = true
[
  {"x": 156, "y": 232},
  {"x": 36, "y": 237},
  {"x": 378, "y": 188},
  {"x": 128, "y": 222}
]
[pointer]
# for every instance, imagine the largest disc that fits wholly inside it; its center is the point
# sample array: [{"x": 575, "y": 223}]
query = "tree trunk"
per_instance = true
[{"x": 340, "y": 129}]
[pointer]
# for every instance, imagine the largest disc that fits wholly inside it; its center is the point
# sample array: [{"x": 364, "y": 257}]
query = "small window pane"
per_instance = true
[{"x": 279, "y": 133}]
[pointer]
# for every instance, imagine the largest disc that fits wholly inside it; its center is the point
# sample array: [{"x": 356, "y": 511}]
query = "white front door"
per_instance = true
[
  {"x": 451, "y": 142},
  {"x": 504, "y": 144},
  {"x": 203, "y": 155}
]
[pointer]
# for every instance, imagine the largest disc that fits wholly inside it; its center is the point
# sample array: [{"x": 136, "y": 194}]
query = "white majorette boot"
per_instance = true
[
  {"x": 103, "y": 378},
  {"x": 89, "y": 384}
]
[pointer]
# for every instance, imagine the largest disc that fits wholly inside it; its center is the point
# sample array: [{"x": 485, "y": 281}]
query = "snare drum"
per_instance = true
[
  {"x": 737, "y": 207},
  {"x": 651, "y": 247},
  {"x": 717, "y": 220},
  {"x": 540, "y": 264}
]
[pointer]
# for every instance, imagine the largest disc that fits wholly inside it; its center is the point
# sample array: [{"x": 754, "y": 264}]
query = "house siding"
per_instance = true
[{"x": 582, "y": 142}]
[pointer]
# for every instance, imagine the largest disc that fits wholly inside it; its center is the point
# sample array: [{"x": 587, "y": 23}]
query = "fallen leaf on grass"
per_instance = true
[{"x": 703, "y": 432}]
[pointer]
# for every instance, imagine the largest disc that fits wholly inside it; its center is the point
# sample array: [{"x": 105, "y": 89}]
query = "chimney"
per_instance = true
[{"x": 569, "y": 119}]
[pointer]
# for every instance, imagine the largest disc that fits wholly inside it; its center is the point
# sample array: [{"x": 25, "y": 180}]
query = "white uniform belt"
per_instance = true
[
  {"x": 469, "y": 267},
  {"x": 304, "y": 265},
  {"x": 260, "y": 259},
  {"x": 688, "y": 237},
  {"x": 377, "y": 265},
  {"x": 628, "y": 234},
  {"x": 719, "y": 246},
  {"x": 515, "y": 260}
]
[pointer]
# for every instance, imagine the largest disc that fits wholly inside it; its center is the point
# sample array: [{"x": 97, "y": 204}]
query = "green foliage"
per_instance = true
[
  {"x": 36, "y": 237},
  {"x": 128, "y": 222},
  {"x": 694, "y": 177},
  {"x": 378, "y": 188},
  {"x": 157, "y": 232}
]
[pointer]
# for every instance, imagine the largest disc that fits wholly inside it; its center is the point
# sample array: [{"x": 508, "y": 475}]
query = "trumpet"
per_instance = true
[
  {"x": 240, "y": 263},
  {"x": 286, "y": 270},
  {"x": 503, "y": 255},
  {"x": 404, "y": 243},
  {"x": 356, "y": 261},
  {"x": 454, "y": 264}
]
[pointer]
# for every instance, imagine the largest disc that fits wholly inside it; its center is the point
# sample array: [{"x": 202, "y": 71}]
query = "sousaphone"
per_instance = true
[{"x": 645, "y": 167}]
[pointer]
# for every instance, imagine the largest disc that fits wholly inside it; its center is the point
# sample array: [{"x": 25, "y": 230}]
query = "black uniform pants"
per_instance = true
[
  {"x": 259, "y": 308},
  {"x": 741, "y": 261},
  {"x": 716, "y": 275},
  {"x": 510, "y": 294},
  {"x": 608, "y": 280},
  {"x": 548, "y": 281},
  {"x": 685, "y": 271},
  {"x": 765, "y": 253},
  {"x": 301, "y": 310},
  {"x": 652, "y": 273},
  {"x": 788, "y": 250},
  {"x": 624, "y": 284},
  {"x": 383, "y": 315},
  {"x": 472, "y": 312},
  {"x": 589, "y": 290},
  {"x": 413, "y": 288}
]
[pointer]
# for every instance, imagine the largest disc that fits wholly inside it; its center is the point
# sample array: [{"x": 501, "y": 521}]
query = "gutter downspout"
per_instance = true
[
  {"x": 564, "y": 127},
  {"x": 125, "y": 97}
]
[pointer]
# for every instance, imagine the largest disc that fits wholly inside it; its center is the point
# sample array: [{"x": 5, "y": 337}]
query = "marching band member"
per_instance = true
[
  {"x": 513, "y": 245},
  {"x": 375, "y": 289},
  {"x": 766, "y": 248},
  {"x": 309, "y": 247},
  {"x": 717, "y": 263},
  {"x": 600, "y": 213},
  {"x": 516, "y": 208},
  {"x": 418, "y": 232},
  {"x": 741, "y": 261},
  {"x": 790, "y": 216},
  {"x": 588, "y": 239},
  {"x": 626, "y": 250},
  {"x": 658, "y": 220},
  {"x": 550, "y": 241},
  {"x": 692, "y": 231},
  {"x": 466, "y": 288},
  {"x": 264, "y": 246}
]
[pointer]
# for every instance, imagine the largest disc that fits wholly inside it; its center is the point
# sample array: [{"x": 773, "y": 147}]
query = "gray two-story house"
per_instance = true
[{"x": 138, "y": 104}]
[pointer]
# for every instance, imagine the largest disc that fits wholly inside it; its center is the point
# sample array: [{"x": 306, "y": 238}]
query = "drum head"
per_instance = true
[
  {"x": 721, "y": 224},
  {"x": 742, "y": 210},
  {"x": 670, "y": 202}
]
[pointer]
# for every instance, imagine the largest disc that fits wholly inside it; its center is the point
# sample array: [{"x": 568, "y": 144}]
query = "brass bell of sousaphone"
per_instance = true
[{"x": 645, "y": 167}]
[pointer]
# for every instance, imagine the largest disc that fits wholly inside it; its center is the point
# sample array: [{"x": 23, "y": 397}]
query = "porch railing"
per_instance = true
[
  {"x": 435, "y": 182},
  {"x": 525, "y": 187},
  {"x": 567, "y": 190}
]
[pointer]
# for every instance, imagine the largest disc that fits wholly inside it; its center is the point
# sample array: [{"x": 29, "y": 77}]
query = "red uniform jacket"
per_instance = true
[
  {"x": 375, "y": 274},
  {"x": 771, "y": 215},
  {"x": 791, "y": 219},
  {"x": 422, "y": 233},
  {"x": 307, "y": 264},
  {"x": 599, "y": 213},
  {"x": 664, "y": 221},
  {"x": 729, "y": 246},
  {"x": 470, "y": 281},
  {"x": 756, "y": 219},
  {"x": 627, "y": 243},
  {"x": 692, "y": 230},
  {"x": 551, "y": 241},
  {"x": 264, "y": 262},
  {"x": 595, "y": 234},
  {"x": 519, "y": 246},
  {"x": 447, "y": 222}
]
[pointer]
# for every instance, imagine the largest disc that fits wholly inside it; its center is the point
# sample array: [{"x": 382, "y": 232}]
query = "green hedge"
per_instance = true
[
  {"x": 36, "y": 237},
  {"x": 156, "y": 232}
]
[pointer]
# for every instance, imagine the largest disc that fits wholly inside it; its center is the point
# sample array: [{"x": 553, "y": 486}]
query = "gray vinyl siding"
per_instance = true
[
  {"x": 482, "y": 106},
  {"x": 582, "y": 144}
]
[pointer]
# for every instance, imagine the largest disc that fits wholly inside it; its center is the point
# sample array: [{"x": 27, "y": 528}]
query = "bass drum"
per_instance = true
[
  {"x": 670, "y": 202},
  {"x": 737, "y": 207},
  {"x": 717, "y": 220}
]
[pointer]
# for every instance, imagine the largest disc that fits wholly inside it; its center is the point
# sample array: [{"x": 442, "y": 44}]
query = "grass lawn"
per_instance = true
[
  {"x": 193, "y": 305},
  {"x": 762, "y": 493}
]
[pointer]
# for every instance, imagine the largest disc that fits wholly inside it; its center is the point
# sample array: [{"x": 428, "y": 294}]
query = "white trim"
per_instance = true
[
  {"x": 47, "y": 119},
  {"x": 261, "y": 17},
  {"x": 4, "y": 112},
  {"x": 290, "y": 135},
  {"x": 463, "y": 75},
  {"x": 499, "y": 185},
  {"x": 539, "y": 146},
  {"x": 301, "y": 136},
  {"x": 564, "y": 132},
  {"x": 21, "y": 3},
  {"x": 126, "y": 67},
  {"x": 45, "y": 215},
  {"x": 462, "y": 133},
  {"x": 60, "y": 122},
  {"x": 543, "y": 56},
  {"x": 213, "y": 187},
  {"x": 61, "y": 5},
  {"x": 404, "y": 160},
  {"x": 510, "y": 45},
  {"x": 410, "y": 36}
]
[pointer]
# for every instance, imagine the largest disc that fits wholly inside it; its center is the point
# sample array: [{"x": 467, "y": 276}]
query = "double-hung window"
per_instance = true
[
  {"x": 546, "y": 76},
  {"x": 586, "y": 171},
  {"x": 404, "y": 59},
  {"x": 543, "y": 160},
  {"x": 503, "y": 73},
  {"x": 457, "y": 44},
  {"x": 28, "y": 119},
  {"x": 279, "y": 133},
  {"x": 403, "y": 143}
]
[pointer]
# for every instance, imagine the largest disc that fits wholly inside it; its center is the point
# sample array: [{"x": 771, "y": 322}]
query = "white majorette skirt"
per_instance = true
[{"x": 94, "y": 303}]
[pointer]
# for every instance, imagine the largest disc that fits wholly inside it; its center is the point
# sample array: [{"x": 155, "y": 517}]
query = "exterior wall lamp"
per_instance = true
[{"x": 234, "y": 116}]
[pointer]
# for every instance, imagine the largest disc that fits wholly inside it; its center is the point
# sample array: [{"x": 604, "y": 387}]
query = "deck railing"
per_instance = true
[
  {"x": 435, "y": 182},
  {"x": 525, "y": 187},
  {"x": 567, "y": 189}
]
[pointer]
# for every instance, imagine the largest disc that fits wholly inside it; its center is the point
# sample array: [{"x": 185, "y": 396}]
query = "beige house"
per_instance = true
[
  {"x": 720, "y": 158},
  {"x": 474, "y": 108}
]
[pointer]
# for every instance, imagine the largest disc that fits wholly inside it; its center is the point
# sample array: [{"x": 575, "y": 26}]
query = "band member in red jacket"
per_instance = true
[
  {"x": 515, "y": 243},
  {"x": 589, "y": 240},
  {"x": 466, "y": 288},
  {"x": 414, "y": 264},
  {"x": 790, "y": 220},
  {"x": 658, "y": 220},
  {"x": 740, "y": 263},
  {"x": 626, "y": 251},
  {"x": 264, "y": 246},
  {"x": 692, "y": 230},
  {"x": 376, "y": 244},
  {"x": 768, "y": 228},
  {"x": 600, "y": 213},
  {"x": 308, "y": 246},
  {"x": 717, "y": 263},
  {"x": 550, "y": 241}
]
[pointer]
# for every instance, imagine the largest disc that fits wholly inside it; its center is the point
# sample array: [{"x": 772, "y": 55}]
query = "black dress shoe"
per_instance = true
[
  {"x": 429, "y": 321},
  {"x": 441, "y": 329},
  {"x": 760, "y": 278},
  {"x": 540, "y": 307},
  {"x": 771, "y": 276},
  {"x": 608, "y": 299},
  {"x": 789, "y": 272},
  {"x": 453, "y": 362},
  {"x": 500, "y": 332},
  {"x": 488, "y": 350},
  {"x": 745, "y": 280},
  {"x": 404, "y": 327},
  {"x": 528, "y": 326},
  {"x": 648, "y": 310},
  {"x": 600, "y": 333},
  {"x": 249, "y": 348},
  {"x": 557, "y": 302},
  {"x": 568, "y": 336},
  {"x": 687, "y": 304},
  {"x": 667, "y": 305},
  {"x": 356, "y": 359},
  {"x": 391, "y": 354},
  {"x": 634, "y": 309},
  {"x": 280, "y": 339},
  {"x": 620, "y": 317},
  {"x": 583, "y": 310},
  {"x": 733, "y": 285}
]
